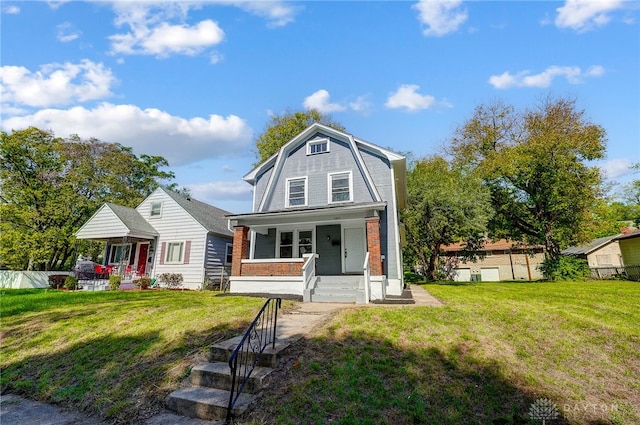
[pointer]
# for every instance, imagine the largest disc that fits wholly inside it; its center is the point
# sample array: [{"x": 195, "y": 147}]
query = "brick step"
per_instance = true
[
  {"x": 218, "y": 375},
  {"x": 206, "y": 403}
]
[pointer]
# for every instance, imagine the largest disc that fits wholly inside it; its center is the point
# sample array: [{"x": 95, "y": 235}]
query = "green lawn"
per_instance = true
[{"x": 485, "y": 357}]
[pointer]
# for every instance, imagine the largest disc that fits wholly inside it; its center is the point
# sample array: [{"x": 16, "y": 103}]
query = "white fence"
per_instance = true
[{"x": 23, "y": 279}]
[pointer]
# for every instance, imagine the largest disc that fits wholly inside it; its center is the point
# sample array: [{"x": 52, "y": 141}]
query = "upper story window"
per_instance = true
[
  {"x": 156, "y": 209},
  {"x": 340, "y": 187},
  {"x": 317, "y": 146},
  {"x": 297, "y": 192}
]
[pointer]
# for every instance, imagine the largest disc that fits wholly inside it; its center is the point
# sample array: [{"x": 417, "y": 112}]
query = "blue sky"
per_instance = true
[{"x": 196, "y": 81}]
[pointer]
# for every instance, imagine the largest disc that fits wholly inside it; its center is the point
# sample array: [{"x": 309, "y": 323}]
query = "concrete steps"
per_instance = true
[
  {"x": 208, "y": 396},
  {"x": 336, "y": 289}
]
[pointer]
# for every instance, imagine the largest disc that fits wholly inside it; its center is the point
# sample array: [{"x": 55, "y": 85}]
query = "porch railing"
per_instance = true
[
  {"x": 309, "y": 269},
  {"x": 260, "y": 334},
  {"x": 366, "y": 278}
]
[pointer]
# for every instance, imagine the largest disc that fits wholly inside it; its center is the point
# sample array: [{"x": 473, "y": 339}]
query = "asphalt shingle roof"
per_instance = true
[
  {"x": 589, "y": 248},
  {"x": 132, "y": 219},
  {"x": 210, "y": 217}
]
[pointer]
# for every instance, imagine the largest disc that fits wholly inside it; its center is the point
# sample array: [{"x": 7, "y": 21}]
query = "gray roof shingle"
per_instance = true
[{"x": 210, "y": 217}]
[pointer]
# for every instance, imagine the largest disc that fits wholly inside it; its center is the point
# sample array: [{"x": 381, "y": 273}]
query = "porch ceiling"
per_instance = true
[{"x": 304, "y": 215}]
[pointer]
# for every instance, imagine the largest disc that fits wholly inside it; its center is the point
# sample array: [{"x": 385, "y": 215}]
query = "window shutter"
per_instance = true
[
  {"x": 187, "y": 252},
  {"x": 163, "y": 248}
]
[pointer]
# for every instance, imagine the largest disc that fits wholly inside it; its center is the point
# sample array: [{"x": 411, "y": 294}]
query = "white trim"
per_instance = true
[
  {"x": 288, "y": 188},
  {"x": 295, "y": 240},
  {"x": 318, "y": 141},
  {"x": 122, "y": 260},
  {"x": 166, "y": 252},
  {"x": 330, "y": 186},
  {"x": 151, "y": 214},
  {"x": 396, "y": 230}
]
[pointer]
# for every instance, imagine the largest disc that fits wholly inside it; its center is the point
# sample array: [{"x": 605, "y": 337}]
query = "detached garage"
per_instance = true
[
  {"x": 490, "y": 274},
  {"x": 462, "y": 275}
]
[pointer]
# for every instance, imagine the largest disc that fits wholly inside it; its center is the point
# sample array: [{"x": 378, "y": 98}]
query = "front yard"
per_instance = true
[{"x": 486, "y": 357}]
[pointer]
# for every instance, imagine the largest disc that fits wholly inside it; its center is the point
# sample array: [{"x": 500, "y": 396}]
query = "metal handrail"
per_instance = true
[{"x": 260, "y": 334}]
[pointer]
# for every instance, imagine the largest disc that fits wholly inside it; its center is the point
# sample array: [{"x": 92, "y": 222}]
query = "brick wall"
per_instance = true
[
  {"x": 373, "y": 246},
  {"x": 284, "y": 268},
  {"x": 240, "y": 248}
]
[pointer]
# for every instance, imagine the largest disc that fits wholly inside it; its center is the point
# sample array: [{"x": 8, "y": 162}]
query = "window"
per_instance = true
[
  {"x": 174, "y": 252},
  {"x": 286, "y": 244},
  {"x": 340, "y": 187},
  {"x": 297, "y": 192},
  {"x": 229, "y": 254},
  {"x": 119, "y": 253},
  {"x": 305, "y": 242},
  {"x": 156, "y": 209},
  {"x": 296, "y": 242},
  {"x": 317, "y": 146}
]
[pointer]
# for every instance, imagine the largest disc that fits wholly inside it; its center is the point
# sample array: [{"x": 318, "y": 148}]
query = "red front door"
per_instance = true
[{"x": 142, "y": 258}]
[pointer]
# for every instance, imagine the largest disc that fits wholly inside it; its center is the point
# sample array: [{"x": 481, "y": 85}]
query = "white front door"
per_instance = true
[{"x": 353, "y": 250}]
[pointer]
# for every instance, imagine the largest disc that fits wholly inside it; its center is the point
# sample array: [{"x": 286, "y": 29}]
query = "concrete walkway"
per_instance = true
[{"x": 16, "y": 410}]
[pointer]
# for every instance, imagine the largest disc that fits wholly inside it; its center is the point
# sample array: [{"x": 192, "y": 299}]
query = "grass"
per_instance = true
[
  {"x": 116, "y": 355},
  {"x": 485, "y": 357}
]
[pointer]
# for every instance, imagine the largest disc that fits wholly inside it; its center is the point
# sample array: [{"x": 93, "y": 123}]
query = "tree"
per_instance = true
[
  {"x": 50, "y": 186},
  {"x": 282, "y": 128},
  {"x": 444, "y": 205},
  {"x": 534, "y": 164}
]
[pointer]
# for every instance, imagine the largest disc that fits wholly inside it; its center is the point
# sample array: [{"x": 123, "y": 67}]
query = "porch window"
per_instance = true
[
  {"x": 286, "y": 244},
  {"x": 317, "y": 146},
  {"x": 119, "y": 253},
  {"x": 174, "y": 252},
  {"x": 305, "y": 242},
  {"x": 156, "y": 209},
  {"x": 297, "y": 192},
  {"x": 295, "y": 241},
  {"x": 340, "y": 186},
  {"x": 229, "y": 254}
]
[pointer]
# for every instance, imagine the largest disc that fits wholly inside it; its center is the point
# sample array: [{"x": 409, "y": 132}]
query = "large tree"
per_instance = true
[
  {"x": 444, "y": 205},
  {"x": 282, "y": 128},
  {"x": 535, "y": 163},
  {"x": 50, "y": 186}
]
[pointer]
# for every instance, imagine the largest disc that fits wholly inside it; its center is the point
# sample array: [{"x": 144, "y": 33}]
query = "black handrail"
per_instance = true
[{"x": 258, "y": 336}]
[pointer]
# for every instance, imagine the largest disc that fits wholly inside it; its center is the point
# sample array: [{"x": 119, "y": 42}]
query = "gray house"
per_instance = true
[
  {"x": 325, "y": 221},
  {"x": 166, "y": 233}
]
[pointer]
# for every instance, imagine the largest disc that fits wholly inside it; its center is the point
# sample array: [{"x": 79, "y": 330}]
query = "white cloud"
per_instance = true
[
  {"x": 237, "y": 190},
  {"x": 617, "y": 167},
  {"x": 149, "y": 131},
  {"x": 361, "y": 104},
  {"x": 320, "y": 101},
  {"x": 55, "y": 84},
  {"x": 441, "y": 17},
  {"x": 407, "y": 97},
  {"x": 66, "y": 32},
  {"x": 573, "y": 74},
  {"x": 11, "y": 10},
  {"x": 276, "y": 12},
  {"x": 583, "y": 15}
]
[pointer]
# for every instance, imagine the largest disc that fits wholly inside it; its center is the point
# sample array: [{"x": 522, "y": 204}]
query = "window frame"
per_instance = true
[
  {"x": 316, "y": 142},
  {"x": 295, "y": 241},
  {"x": 159, "y": 214},
  {"x": 288, "y": 191},
  {"x": 112, "y": 260},
  {"x": 168, "y": 251},
  {"x": 228, "y": 254},
  {"x": 330, "y": 187}
]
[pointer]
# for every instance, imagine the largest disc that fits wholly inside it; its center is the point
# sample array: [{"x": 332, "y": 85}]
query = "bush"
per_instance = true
[
  {"x": 413, "y": 277},
  {"x": 114, "y": 282},
  {"x": 143, "y": 282},
  {"x": 71, "y": 283},
  {"x": 56, "y": 281},
  {"x": 565, "y": 268},
  {"x": 172, "y": 280}
]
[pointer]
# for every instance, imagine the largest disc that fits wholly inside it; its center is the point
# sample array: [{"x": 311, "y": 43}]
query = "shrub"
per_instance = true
[
  {"x": 56, "y": 281},
  {"x": 114, "y": 282},
  {"x": 71, "y": 283},
  {"x": 143, "y": 282},
  {"x": 172, "y": 280},
  {"x": 413, "y": 277},
  {"x": 565, "y": 268}
]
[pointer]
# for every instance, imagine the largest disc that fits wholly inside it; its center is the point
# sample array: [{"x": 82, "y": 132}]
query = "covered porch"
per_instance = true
[{"x": 291, "y": 251}]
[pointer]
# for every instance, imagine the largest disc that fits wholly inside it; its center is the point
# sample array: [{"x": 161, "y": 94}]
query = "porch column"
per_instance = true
[
  {"x": 373, "y": 245},
  {"x": 240, "y": 248}
]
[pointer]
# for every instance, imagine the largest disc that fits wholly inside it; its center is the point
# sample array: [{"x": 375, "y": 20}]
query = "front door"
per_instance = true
[
  {"x": 142, "y": 258},
  {"x": 353, "y": 249}
]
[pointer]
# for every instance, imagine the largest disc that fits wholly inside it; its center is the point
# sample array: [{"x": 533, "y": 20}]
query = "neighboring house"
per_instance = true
[
  {"x": 496, "y": 261},
  {"x": 325, "y": 221},
  {"x": 630, "y": 250},
  {"x": 166, "y": 233},
  {"x": 601, "y": 252}
]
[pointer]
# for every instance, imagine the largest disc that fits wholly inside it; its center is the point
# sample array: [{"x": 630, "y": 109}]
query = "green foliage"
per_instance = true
[
  {"x": 50, "y": 186},
  {"x": 171, "y": 280},
  {"x": 413, "y": 278},
  {"x": 71, "y": 283},
  {"x": 283, "y": 128},
  {"x": 143, "y": 282},
  {"x": 565, "y": 268},
  {"x": 56, "y": 281},
  {"x": 444, "y": 205},
  {"x": 535, "y": 165},
  {"x": 114, "y": 282}
]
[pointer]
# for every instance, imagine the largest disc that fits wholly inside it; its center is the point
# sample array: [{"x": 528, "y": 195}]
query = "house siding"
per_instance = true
[
  {"x": 260, "y": 187},
  {"x": 612, "y": 251},
  {"x": 317, "y": 168},
  {"x": 105, "y": 221},
  {"x": 630, "y": 249},
  {"x": 215, "y": 255},
  {"x": 174, "y": 225}
]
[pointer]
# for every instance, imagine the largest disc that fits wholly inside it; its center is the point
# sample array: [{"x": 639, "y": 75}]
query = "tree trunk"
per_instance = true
[{"x": 432, "y": 268}]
